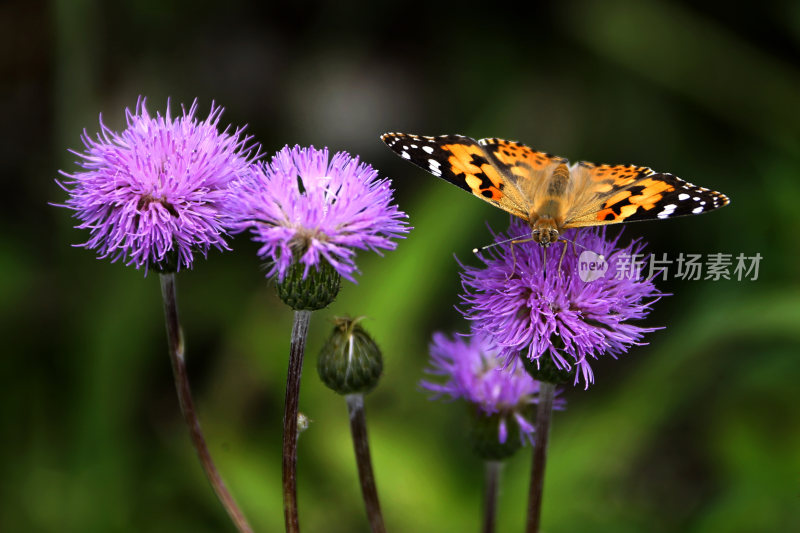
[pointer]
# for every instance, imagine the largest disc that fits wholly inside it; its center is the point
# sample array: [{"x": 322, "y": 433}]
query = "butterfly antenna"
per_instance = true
[{"x": 482, "y": 248}]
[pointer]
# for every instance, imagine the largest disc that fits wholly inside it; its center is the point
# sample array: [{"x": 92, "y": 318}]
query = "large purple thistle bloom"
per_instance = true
[
  {"x": 475, "y": 374},
  {"x": 151, "y": 195},
  {"x": 304, "y": 206},
  {"x": 558, "y": 315}
]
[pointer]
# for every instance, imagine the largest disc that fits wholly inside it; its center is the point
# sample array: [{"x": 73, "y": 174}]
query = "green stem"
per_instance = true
[
  {"x": 544, "y": 411},
  {"x": 491, "y": 478},
  {"x": 176, "y": 354},
  {"x": 358, "y": 429},
  {"x": 296, "y": 352}
]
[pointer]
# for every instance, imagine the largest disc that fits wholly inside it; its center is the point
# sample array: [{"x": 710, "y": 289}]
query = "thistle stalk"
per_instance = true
[
  {"x": 544, "y": 410},
  {"x": 358, "y": 429},
  {"x": 176, "y": 355},
  {"x": 296, "y": 353},
  {"x": 491, "y": 479}
]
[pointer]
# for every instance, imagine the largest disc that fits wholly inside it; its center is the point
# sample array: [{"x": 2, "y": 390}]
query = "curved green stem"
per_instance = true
[
  {"x": 176, "y": 355},
  {"x": 358, "y": 429}
]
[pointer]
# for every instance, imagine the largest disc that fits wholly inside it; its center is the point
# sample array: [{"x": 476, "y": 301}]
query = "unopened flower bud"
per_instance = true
[{"x": 350, "y": 362}]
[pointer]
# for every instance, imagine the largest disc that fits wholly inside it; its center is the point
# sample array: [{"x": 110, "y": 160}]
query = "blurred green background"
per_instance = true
[{"x": 698, "y": 431}]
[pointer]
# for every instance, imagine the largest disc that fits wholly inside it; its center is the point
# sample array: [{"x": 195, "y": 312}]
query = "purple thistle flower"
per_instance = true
[
  {"x": 305, "y": 207},
  {"x": 525, "y": 312},
  {"x": 475, "y": 373},
  {"x": 151, "y": 195}
]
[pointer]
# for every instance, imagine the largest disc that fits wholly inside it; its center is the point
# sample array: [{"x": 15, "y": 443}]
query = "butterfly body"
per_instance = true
[{"x": 546, "y": 191}]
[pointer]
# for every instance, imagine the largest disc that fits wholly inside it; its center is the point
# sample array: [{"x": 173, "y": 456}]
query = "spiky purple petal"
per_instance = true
[
  {"x": 304, "y": 206},
  {"x": 523, "y": 310},
  {"x": 474, "y": 373},
  {"x": 156, "y": 188}
]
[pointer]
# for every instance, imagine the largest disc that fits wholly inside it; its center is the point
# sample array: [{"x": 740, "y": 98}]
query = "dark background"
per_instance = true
[{"x": 697, "y": 431}]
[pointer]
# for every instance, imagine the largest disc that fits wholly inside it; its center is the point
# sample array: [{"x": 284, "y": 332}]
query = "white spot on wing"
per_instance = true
[
  {"x": 667, "y": 211},
  {"x": 405, "y": 155},
  {"x": 435, "y": 167},
  {"x": 683, "y": 196},
  {"x": 428, "y": 149},
  {"x": 697, "y": 210}
]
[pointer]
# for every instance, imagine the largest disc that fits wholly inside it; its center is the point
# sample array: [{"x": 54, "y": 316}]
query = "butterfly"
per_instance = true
[{"x": 548, "y": 192}]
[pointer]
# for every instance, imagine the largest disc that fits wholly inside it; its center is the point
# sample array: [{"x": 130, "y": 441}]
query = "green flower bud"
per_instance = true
[
  {"x": 350, "y": 362},
  {"x": 317, "y": 291}
]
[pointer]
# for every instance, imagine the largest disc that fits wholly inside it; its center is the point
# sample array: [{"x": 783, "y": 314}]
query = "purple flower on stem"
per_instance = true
[
  {"x": 475, "y": 373},
  {"x": 151, "y": 195},
  {"x": 306, "y": 207},
  {"x": 534, "y": 313}
]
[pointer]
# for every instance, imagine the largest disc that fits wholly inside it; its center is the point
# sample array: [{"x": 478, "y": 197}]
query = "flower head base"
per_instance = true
[
  {"x": 558, "y": 315},
  {"x": 474, "y": 373},
  {"x": 151, "y": 194},
  {"x": 309, "y": 291},
  {"x": 306, "y": 207}
]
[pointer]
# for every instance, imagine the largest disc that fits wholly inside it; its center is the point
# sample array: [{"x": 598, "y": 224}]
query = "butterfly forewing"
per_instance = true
[{"x": 463, "y": 162}]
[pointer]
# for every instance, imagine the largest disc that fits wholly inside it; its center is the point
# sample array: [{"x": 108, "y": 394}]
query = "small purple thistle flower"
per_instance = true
[
  {"x": 524, "y": 311},
  {"x": 476, "y": 374},
  {"x": 305, "y": 207},
  {"x": 151, "y": 195}
]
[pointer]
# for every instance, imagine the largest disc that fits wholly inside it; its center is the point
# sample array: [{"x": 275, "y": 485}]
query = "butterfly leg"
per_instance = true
[
  {"x": 514, "y": 257},
  {"x": 513, "y": 262},
  {"x": 564, "y": 252}
]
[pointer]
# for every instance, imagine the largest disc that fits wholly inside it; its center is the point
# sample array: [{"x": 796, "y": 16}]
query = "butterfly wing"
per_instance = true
[
  {"x": 494, "y": 170},
  {"x": 513, "y": 177},
  {"x": 610, "y": 194},
  {"x": 523, "y": 162}
]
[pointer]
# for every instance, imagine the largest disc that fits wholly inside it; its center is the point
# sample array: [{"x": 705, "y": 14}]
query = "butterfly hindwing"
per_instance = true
[{"x": 625, "y": 193}]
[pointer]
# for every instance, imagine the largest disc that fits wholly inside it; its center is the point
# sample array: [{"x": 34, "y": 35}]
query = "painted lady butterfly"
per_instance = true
[{"x": 548, "y": 192}]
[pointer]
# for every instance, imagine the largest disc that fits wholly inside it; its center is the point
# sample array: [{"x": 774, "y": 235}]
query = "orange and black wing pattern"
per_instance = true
[
  {"x": 497, "y": 171},
  {"x": 513, "y": 176},
  {"x": 611, "y": 194}
]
